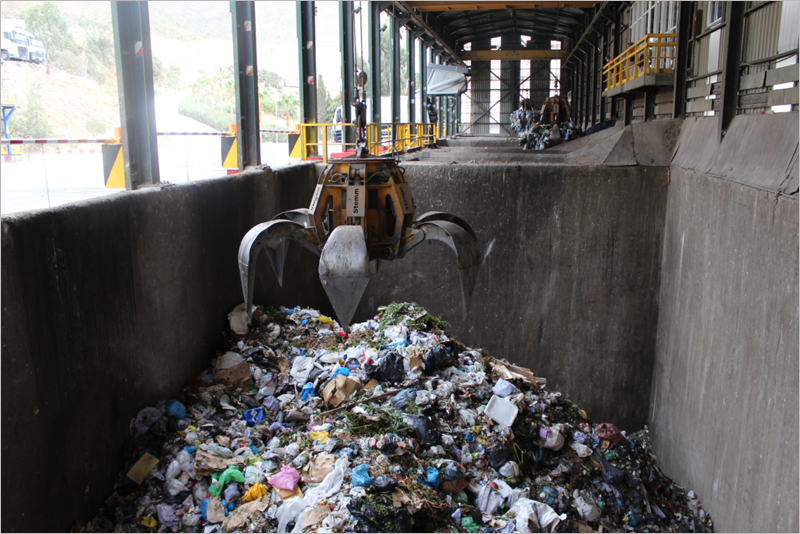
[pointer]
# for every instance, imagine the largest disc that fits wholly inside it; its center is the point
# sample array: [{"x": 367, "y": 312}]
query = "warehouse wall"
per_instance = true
[
  {"x": 569, "y": 284},
  {"x": 724, "y": 407},
  {"x": 108, "y": 306}
]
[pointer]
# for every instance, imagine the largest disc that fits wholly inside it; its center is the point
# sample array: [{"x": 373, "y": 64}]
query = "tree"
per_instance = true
[
  {"x": 386, "y": 65},
  {"x": 267, "y": 78},
  {"x": 95, "y": 126},
  {"x": 49, "y": 25},
  {"x": 30, "y": 120}
]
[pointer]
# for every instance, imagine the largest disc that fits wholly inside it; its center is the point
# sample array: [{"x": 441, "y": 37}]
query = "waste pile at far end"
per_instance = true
[{"x": 300, "y": 427}]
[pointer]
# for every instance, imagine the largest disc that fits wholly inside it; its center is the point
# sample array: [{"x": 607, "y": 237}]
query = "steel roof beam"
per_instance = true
[
  {"x": 423, "y": 6},
  {"x": 420, "y": 20}
]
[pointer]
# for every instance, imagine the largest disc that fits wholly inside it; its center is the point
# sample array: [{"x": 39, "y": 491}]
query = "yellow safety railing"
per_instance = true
[
  {"x": 652, "y": 54},
  {"x": 316, "y": 135},
  {"x": 409, "y": 135},
  {"x": 315, "y": 138}
]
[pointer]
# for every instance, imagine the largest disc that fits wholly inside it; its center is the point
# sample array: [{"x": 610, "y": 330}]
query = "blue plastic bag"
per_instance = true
[
  {"x": 204, "y": 508},
  {"x": 176, "y": 409},
  {"x": 341, "y": 371},
  {"x": 432, "y": 478},
  {"x": 361, "y": 476},
  {"x": 308, "y": 391},
  {"x": 254, "y": 416}
]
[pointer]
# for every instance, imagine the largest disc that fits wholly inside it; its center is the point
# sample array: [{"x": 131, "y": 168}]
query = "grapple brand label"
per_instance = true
[
  {"x": 315, "y": 199},
  {"x": 406, "y": 201},
  {"x": 356, "y": 202}
]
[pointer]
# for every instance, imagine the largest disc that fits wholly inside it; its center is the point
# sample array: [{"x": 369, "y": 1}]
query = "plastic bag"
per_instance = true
[
  {"x": 165, "y": 515},
  {"x": 432, "y": 477},
  {"x": 609, "y": 432},
  {"x": 586, "y": 508},
  {"x": 510, "y": 469},
  {"x": 488, "y": 500},
  {"x": 554, "y": 440},
  {"x": 424, "y": 430},
  {"x": 231, "y": 493},
  {"x": 498, "y": 455},
  {"x": 173, "y": 469},
  {"x": 503, "y": 388},
  {"x": 285, "y": 479},
  {"x": 145, "y": 419},
  {"x": 451, "y": 471},
  {"x": 255, "y": 491},
  {"x": 175, "y": 486},
  {"x": 389, "y": 367},
  {"x": 290, "y": 511},
  {"x": 344, "y": 371},
  {"x": 301, "y": 368},
  {"x": 175, "y": 409},
  {"x": 582, "y": 450},
  {"x": 436, "y": 358},
  {"x": 271, "y": 403},
  {"x": 400, "y": 400},
  {"x": 292, "y": 449},
  {"x": 383, "y": 484},
  {"x": 360, "y": 476},
  {"x": 541, "y": 515},
  {"x": 254, "y": 416},
  {"x": 220, "y": 480},
  {"x": 307, "y": 392},
  {"x": 322, "y": 437},
  {"x": 611, "y": 475}
]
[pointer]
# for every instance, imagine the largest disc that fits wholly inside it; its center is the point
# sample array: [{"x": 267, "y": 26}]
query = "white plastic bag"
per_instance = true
[
  {"x": 582, "y": 450},
  {"x": 554, "y": 440},
  {"x": 239, "y": 320},
  {"x": 301, "y": 368},
  {"x": 586, "y": 508},
  {"x": 488, "y": 500},
  {"x": 538, "y": 512}
]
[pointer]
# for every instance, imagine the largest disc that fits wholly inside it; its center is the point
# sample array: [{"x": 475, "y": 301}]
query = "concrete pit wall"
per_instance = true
[
  {"x": 724, "y": 408},
  {"x": 108, "y": 306},
  {"x": 569, "y": 284}
]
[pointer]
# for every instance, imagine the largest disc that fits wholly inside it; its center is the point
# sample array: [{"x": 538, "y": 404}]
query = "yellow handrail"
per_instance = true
[
  {"x": 409, "y": 135},
  {"x": 652, "y": 54}
]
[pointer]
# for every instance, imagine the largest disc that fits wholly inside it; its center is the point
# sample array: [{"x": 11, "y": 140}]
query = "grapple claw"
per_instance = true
[
  {"x": 273, "y": 237},
  {"x": 361, "y": 213},
  {"x": 344, "y": 269},
  {"x": 464, "y": 244}
]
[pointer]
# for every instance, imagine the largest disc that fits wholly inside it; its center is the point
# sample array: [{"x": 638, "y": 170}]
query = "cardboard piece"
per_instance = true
[
  {"x": 207, "y": 464},
  {"x": 242, "y": 514},
  {"x": 339, "y": 389},
  {"x": 288, "y": 494},
  {"x": 318, "y": 468},
  {"x": 141, "y": 468},
  {"x": 232, "y": 370},
  {"x": 371, "y": 384},
  {"x": 315, "y": 516},
  {"x": 216, "y": 511}
]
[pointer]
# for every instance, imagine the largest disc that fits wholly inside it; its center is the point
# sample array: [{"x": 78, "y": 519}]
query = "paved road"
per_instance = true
[{"x": 49, "y": 180}]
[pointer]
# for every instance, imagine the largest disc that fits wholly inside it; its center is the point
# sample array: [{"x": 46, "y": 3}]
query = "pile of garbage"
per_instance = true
[{"x": 390, "y": 427}]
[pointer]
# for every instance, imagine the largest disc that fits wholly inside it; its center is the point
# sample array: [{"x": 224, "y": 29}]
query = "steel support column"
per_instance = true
[
  {"x": 245, "y": 68},
  {"x": 348, "y": 67},
  {"x": 375, "y": 59},
  {"x": 732, "y": 57},
  {"x": 412, "y": 67},
  {"x": 681, "y": 59},
  {"x": 395, "y": 89},
  {"x": 423, "y": 80},
  {"x": 308, "y": 61},
  {"x": 131, "y": 26}
]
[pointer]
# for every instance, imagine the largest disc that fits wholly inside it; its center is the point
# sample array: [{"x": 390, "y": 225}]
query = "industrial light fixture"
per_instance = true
[
  {"x": 383, "y": 28},
  {"x": 357, "y": 10}
]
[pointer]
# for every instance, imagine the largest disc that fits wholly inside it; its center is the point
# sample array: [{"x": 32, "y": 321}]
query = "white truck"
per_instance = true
[{"x": 20, "y": 44}]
